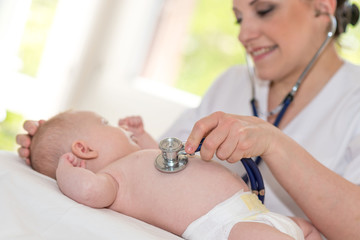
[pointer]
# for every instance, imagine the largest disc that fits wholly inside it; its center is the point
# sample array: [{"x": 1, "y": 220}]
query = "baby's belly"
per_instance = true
[{"x": 173, "y": 200}]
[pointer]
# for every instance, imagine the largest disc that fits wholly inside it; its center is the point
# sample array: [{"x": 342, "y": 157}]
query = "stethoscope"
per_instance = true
[{"x": 174, "y": 158}]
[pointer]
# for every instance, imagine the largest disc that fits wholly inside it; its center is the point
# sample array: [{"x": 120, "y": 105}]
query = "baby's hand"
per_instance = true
[
  {"x": 133, "y": 124},
  {"x": 71, "y": 159}
]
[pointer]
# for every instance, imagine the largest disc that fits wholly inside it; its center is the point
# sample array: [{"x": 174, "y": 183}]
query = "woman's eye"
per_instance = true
[
  {"x": 265, "y": 11},
  {"x": 238, "y": 16},
  {"x": 238, "y": 20}
]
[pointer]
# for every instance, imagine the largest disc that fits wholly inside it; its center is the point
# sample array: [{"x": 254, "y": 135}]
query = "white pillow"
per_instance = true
[{"x": 32, "y": 207}]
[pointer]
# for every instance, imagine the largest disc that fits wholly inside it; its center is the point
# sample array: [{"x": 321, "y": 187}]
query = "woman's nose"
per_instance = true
[{"x": 248, "y": 31}]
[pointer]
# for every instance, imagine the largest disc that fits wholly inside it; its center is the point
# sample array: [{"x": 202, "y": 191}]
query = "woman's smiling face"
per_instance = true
[{"x": 281, "y": 36}]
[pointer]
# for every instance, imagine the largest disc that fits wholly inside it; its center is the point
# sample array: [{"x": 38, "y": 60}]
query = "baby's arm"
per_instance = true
[
  {"x": 135, "y": 125},
  {"x": 82, "y": 185}
]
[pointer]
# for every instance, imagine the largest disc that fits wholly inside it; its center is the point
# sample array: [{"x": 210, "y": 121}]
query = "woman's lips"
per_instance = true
[{"x": 260, "y": 53}]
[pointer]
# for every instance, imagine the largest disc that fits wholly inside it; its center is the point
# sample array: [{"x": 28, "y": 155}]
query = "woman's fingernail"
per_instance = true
[{"x": 189, "y": 149}]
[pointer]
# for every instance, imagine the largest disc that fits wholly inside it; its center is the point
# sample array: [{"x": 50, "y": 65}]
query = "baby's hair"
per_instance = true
[{"x": 50, "y": 142}]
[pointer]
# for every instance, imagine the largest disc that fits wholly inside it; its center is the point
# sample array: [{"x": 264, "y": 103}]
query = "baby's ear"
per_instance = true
[{"x": 81, "y": 150}]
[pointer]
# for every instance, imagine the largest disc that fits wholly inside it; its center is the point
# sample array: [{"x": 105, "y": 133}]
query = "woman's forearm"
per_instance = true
[{"x": 330, "y": 201}]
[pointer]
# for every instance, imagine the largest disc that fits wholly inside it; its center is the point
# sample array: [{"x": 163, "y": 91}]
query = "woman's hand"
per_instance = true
[
  {"x": 24, "y": 140},
  {"x": 231, "y": 137}
]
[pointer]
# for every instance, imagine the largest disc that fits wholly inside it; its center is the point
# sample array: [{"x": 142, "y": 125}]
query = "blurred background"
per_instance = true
[{"x": 153, "y": 58}]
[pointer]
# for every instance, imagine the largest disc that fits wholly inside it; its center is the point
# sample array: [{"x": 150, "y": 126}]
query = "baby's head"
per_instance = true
[
  {"x": 51, "y": 140},
  {"x": 85, "y": 134}
]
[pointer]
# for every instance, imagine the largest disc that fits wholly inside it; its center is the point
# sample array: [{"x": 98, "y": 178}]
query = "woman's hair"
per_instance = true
[{"x": 345, "y": 13}]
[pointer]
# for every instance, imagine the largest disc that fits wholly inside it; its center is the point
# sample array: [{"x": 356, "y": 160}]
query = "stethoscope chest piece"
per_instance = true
[{"x": 173, "y": 158}]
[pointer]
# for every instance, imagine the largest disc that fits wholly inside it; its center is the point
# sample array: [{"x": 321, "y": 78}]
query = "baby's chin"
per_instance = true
[{"x": 134, "y": 140}]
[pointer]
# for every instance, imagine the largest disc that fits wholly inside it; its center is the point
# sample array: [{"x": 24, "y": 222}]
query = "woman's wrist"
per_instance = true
[{"x": 277, "y": 146}]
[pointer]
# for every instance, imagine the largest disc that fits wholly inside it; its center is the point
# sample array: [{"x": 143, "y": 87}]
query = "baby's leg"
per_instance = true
[
  {"x": 310, "y": 232},
  {"x": 256, "y": 231}
]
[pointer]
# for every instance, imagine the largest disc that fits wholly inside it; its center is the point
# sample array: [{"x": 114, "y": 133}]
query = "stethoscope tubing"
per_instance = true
[
  {"x": 256, "y": 181},
  {"x": 250, "y": 174},
  {"x": 252, "y": 167}
]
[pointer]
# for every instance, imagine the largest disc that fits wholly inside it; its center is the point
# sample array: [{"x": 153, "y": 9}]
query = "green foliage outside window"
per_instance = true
[
  {"x": 8, "y": 130},
  {"x": 212, "y": 45}
]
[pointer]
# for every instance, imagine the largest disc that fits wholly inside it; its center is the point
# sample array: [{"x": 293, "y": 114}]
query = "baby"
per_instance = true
[{"x": 102, "y": 166}]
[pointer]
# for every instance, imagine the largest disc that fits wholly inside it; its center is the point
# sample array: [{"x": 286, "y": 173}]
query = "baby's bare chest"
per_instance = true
[
  {"x": 150, "y": 195},
  {"x": 141, "y": 179}
]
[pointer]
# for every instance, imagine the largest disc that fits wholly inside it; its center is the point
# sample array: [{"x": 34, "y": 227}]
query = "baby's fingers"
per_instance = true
[
  {"x": 83, "y": 164},
  {"x": 69, "y": 158},
  {"x": 122, "y": 122},
  {"x": 135, "y": 121}
]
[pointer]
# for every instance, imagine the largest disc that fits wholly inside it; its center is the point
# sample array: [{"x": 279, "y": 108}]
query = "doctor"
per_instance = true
[{"x": 311, "y": 162}]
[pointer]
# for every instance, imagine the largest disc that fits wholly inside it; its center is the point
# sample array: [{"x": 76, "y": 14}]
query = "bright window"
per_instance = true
[{"x": 35, "y": 34}]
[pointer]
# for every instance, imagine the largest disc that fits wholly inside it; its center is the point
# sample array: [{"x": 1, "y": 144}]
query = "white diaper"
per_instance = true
[{"x": 242, "y": 207}]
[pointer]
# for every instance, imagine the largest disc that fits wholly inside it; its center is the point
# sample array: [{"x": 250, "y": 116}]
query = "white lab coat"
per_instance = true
[{"x": 328, "y": 128}]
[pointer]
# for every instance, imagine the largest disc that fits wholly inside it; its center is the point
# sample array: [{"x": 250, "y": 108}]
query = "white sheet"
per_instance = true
[{"x": 32, "y": 207}]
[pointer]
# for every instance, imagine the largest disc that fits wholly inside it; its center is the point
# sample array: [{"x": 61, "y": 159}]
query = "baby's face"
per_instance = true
[{"x": 110, "y": 142}]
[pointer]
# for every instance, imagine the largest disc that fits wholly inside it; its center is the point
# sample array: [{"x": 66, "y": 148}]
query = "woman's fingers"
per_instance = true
[
  {"x": 200, "y": 130},
  {"x": 231, "y": 137},
  {"x": 31, "y": 126},
  {"x": 23, "y": 140},
  {"x": 24, "y": 152},
  {"x": 228, "y": 148},
  {"x": 233, "y": 133},
  {"x": 221, "y": 140}
]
